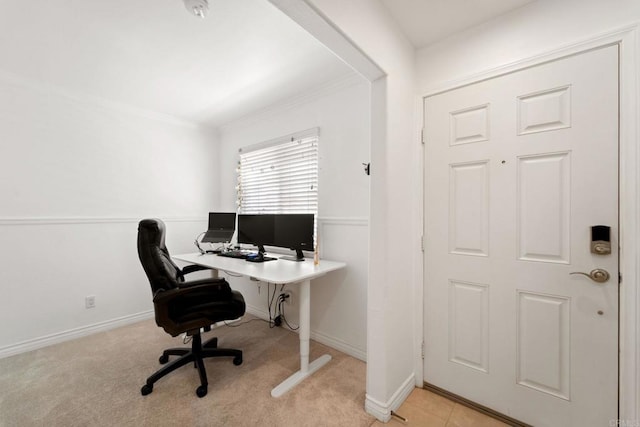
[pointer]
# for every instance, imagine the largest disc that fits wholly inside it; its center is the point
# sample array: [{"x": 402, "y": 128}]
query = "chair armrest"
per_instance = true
[
  {"x": 208, "y": 287},
  {"x": 194, "y": 267}
]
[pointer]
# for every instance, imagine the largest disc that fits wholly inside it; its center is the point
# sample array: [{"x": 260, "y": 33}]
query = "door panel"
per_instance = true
[{"x": 517, "y": 170}]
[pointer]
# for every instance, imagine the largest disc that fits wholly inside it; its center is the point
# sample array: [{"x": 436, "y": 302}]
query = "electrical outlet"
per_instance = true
[
  {"x": 289, "y": 298},
  {"x": 90, "y": 301}
]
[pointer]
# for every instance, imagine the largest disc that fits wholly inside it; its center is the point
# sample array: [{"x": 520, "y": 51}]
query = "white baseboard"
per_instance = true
[
  {"x": 382, "y": 411},
  {"x": 339, "y": 345},
  {"x": 262, "y": 314},
  {"x": 318, "y": 336},
  {"x": 45, "y": 341}
]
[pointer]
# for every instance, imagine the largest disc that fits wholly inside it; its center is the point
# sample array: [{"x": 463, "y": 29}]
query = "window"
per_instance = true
[{"x": 280, "y": 176}]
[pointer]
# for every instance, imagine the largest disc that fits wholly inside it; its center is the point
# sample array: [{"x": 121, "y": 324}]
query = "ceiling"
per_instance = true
[
  {"x": 427, "y": 21},
  {"x": 154, "y": 55}
]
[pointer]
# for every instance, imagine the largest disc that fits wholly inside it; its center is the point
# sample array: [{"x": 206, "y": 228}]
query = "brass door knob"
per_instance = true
[{"x": 598, "y": 275}]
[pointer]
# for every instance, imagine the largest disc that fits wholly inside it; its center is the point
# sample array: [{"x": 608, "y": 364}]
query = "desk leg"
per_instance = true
[
  {"x": 306, "y": 368},
  {"x": 214, "y": 273}
]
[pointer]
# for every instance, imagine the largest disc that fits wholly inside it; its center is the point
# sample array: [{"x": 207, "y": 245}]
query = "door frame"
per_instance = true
[{"x": 628, "y": 40}]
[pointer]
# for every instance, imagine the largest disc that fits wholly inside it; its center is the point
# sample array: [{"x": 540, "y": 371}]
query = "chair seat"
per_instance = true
[{"x": 205, "y": 313}]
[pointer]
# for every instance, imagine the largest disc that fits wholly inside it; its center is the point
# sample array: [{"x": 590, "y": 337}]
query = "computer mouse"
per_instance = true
[{"x": 259, "y": 257}]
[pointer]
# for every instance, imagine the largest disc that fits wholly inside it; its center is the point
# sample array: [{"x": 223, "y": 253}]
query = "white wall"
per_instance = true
[
  {"x": 341, "y": 111},
  {"x": 76, "y": 176},
  {"x": 534, "y": 29},
  {"x": 394, "y": 279},
  {"x": 395, "y": 225}
]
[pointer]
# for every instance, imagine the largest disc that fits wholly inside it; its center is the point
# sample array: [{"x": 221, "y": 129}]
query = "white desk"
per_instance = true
[{"x": 279, "y": 272}]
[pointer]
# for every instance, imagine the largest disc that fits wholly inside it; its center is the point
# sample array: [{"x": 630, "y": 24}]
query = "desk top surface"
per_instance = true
[{"x": 279, "y": 271}]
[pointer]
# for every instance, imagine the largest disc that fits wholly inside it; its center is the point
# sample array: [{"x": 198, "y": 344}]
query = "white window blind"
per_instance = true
[{"x": 280, "y": 176}]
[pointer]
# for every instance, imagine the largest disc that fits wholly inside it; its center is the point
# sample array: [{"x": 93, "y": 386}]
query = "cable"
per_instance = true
[
  {"x": 282, "y": 300},
  {"x": 235, "y": 325},
  {"x": 275, "y": 308},
  {"x": 195, "y": 242},
  {"x": 272, "y": 319}
]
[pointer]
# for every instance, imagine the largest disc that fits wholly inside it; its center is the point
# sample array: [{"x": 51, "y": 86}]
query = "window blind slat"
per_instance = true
[
  {"x": 290, "y": 181},
  {"x": 300, "y": 152},
  {"x": 281, "y": 178},
  {"x": 294, "y": 173},
  {"x": 284, "y": 151}
]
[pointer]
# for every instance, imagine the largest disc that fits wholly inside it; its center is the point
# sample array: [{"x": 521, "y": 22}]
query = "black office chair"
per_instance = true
[{"x": 185, "y": 307}]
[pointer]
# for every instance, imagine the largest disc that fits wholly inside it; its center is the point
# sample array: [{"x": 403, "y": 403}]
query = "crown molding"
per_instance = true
[
  {"x": 46, "y": 89},
  {"x": 332, "y": 86}
]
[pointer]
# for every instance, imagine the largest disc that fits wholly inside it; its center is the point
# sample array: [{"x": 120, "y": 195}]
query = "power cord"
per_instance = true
[
  {"x": 220, "y": 248},
  {"x": 276, "y": 308},
  {"x": 197, "y": 243},
  {"x": 279, "y": 317},
  {"x": 282, "y": 299},
  {"x": 235, "y": 325},
  {"x": 274, "y": 320}
]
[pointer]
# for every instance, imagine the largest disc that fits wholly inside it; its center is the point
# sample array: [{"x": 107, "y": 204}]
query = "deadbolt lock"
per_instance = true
[{"x": 601, "y": 240}]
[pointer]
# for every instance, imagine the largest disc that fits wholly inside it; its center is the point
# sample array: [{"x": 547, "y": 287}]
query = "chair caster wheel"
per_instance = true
[
  {"x": 201, "y": 391},
  {"x": 146, "y": 389},
  {"x": 237, "y": 360},
  {"x": 163, "y": 359}
]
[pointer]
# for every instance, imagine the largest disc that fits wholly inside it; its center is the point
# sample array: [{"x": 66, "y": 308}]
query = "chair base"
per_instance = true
[{"x": 196, "y": 354}]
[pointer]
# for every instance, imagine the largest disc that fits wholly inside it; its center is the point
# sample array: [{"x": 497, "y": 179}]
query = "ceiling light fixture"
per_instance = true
[{"x": 198, "y": 7}]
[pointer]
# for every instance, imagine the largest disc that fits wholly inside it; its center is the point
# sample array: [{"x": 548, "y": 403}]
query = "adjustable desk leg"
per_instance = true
[{"x": 306, "y": 368}]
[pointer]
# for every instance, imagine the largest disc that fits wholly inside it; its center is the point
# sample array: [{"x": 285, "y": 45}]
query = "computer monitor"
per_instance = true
[
  {"x": 222, "y": 225},
  {"x": 294, "y": 231},
  {"x": 291, "y": 231},
  {"x": 256, "y": 229}
]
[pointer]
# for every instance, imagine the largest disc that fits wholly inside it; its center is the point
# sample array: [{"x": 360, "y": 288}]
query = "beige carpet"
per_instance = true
[{"x": 96, "y": 380}]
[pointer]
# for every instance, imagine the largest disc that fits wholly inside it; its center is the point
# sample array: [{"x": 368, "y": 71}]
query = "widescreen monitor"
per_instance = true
[
  {"x": 256, "y": 229},
  {"x": 294, "y": 231},
  {"x": 290, "y": 231}
]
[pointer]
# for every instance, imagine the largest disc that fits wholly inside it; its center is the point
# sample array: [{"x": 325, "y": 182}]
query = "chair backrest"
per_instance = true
[{"x": 161, "y": 271}]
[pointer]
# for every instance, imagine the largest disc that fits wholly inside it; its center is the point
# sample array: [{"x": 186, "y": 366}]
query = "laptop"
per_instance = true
[{"x": 222, "y": 225}]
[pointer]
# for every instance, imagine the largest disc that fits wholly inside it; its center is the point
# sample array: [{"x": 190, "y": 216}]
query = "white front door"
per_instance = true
[{"x": 518, "y": 169}]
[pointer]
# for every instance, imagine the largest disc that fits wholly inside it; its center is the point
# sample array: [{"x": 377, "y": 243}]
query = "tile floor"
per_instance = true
[{"x": 426, "y": 409}]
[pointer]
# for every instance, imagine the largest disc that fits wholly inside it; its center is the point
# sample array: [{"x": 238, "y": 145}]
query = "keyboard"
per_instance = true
[
  {"x": 255, "y": 258},
  {"x": 246, "y": 255},
  {"x": 236, "y": 254}
]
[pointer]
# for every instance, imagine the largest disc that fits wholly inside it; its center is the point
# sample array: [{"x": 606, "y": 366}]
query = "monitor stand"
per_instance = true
[
  {"x": 299, "y": 256},
  {"x": 260, "y": 256}
]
